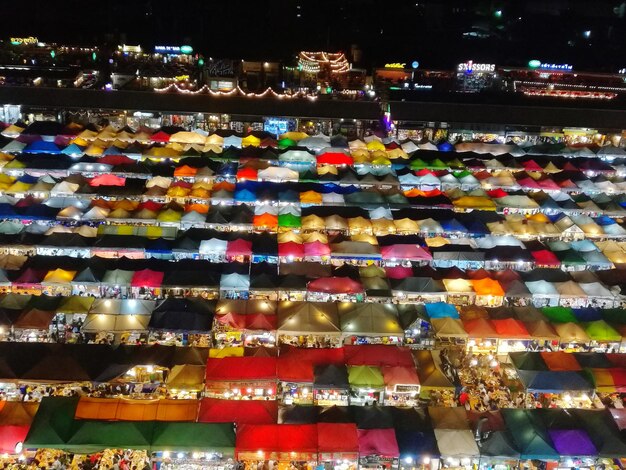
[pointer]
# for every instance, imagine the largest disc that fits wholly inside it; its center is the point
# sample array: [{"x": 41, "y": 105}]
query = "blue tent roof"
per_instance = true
[
  {"x": 113, "y": 150},
  {"x": 549, "y": 381},
  {"x": 453, "y": 225},
  {"x": 415, "y": 444},
  {"x": 478, "y": 228},
  {"x": 28, "y": 179},
  {"x": 72, "y": 149},
  {"x": 441, "y": 310},
  {"x": 587, "y": 314},
  {"x": 604, "y": 220},
  {"x": 445, "y": 147},
  {"x": 6, "y": 210},
  {"x": 42, "y": 146},
  {"x": 244, "y": 195}
]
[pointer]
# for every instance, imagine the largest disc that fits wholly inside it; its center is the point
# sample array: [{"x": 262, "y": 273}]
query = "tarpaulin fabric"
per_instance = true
[
  {"x": 510, "y": 328},
  {"x": 560, "y": 361},
  {"x": 378, "y": 355},
  {"x": 337, "y": 437},
  {"x": 147, "y": 278},
  {"x": 380, "y": 442},
  {"x": 575, "y": 442},
  {"x": 241, "y": 368},
  {"x": 335, "y": 285},
  {"x": 213, "y": 410}
]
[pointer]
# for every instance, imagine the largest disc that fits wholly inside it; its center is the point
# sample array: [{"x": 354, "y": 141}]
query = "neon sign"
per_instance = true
[
  {"x": 396, "y": 65},
  {"x": 470, "y": 67},
  {"x": 562, "y": 67},
  {"x": 22, "y": 41}
]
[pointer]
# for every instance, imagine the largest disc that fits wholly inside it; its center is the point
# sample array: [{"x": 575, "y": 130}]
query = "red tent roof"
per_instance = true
[
  {"x": 497, "y": 193},
  {"x": 337, "y": 437},
  {"x": 10, "y": 436},
  {"x": 241, "y": 368},
  {"x": 261, "y": 321},
  {"x": 213, "y": 410},
  {"x": 510, "y": 328},
  {"x": 560, "y": 361},
  {"x": 399, "y": 272},
  {"x": 160, "y": 137},
  {"x": 116, "y": 160},
  {"x": 334, "y": 158},
  {"x": 274, "y": 438},
  {"x": 545, "y": 258},
  {"x": 107, "y": 180},
  {"x": 247, "y": 174},
  {"x": 378, "y": 355},
  {"x": 147, "y": 278},
  {"x": 479, "y": 328},
  {"x": 234, "y": 320},
  {"x": 239, "y": 247},
  {"x": 335, "y": 285},
  {"x": 316, "y": 356},
  {"x": 531, "y": 165},
  {"x": 400, "y": 375},
  {"x": 150, "y": 205},
  {"x": 293, "y": 249},
  {"x": 294, "y": 370}
]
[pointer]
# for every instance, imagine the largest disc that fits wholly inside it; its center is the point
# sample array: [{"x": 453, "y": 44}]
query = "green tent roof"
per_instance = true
[
  {"x": 289, "y": 220},
  {"x": 418, "y": 164},
  {"x": 93, "y": 436},
  {"x": 559, "y": 314},
  {"x": 600, "y": 330},
  {"x": 530, "y": 438},
  {"x": 53, "y": 424},
  {"x": 437, "y": 164},
  {"x": 194, "y": 437},
  {"x": 528, "y": 361},
  {"x": 284, "y": 143},
  {"x": 614, "y": 315},
  {"x": 365, "y": 376}
]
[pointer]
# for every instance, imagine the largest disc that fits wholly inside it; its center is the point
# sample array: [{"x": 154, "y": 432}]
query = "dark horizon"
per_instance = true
[{"x": 436, "y": 33}]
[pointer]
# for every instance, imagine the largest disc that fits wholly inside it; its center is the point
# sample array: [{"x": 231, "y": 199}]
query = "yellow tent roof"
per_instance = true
[
  {"x": 397, "y": 153},
  {"x": 59, "y": 276},
  {"x": 169, "y": 215},
  {"x": 315, "y": 237},
  {"x": 383, "y": 226},
  {"x": 313, "y": 222},
  {"x": 215, "y": 140},
  {"x": 226, "y": 352},
  {"x": 18, "y": 187},
  {"x": 375, "y": 145},
  {"x": 250, "y": 141},
  {"x": 94, "y": 151},
  {"x": 294, "y": 135},
  {"x": 162, "y": 152},
  {"x": 286, "y": 237},
  {"x": 310, "y": 197},
  {"x": 185, "y": 137},
  {"x": 475, "y": 202}
]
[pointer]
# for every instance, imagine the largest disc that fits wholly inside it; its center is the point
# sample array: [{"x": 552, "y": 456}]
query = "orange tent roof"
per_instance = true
[
  {"x": 185, "y": 170},
  {"x": 120, "y": 409},
  {"x": 265, "y": 220},
  {"x": 487, "y": 286},
  {"x": 225, "y": 185},
  {"x": 560, "y": 361},
  {"x": 200, "y": 208}
]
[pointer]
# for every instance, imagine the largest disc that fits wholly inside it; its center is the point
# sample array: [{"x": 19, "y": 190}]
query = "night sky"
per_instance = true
[{"x": 438, "y": 33}]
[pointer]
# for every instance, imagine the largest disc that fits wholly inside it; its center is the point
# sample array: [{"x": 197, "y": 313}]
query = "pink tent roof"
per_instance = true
[
  {"x": 296, "y": 250},
  {"x": 335, "y": 285},
  {"x": 548, "y": 184},
  {"x": 380, "y": 442},
  {"x": 400, "y": 375},
  {"x": 529, "y": 183},
  {"x": 531, "y": 165},
  {"x": 234, "y": 320},
  {"x": 147, "y": 278},
  {"x": 399, "y": 272},
  {"x": 108, "y": 180},
  {"x": 411, "y": 252},
  {"x": 239, "y": 247},
  {"x": 316, "y": 248}
]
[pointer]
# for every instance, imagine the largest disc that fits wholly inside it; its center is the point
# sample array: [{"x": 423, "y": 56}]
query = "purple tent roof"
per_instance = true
[{"x": 572, "y": 442}]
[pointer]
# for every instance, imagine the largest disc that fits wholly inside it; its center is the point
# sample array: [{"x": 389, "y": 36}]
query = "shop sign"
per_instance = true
[
  {"x": 220, "y": 68},
  {"x": 134, "y": 49},
  {"x": 470, "y": 67},
  {"x": 561, "y": 67},
  {"x": 24, "y": 41},
  {"x": 375, "y": 459},
  {"x": 396, "y": 65},
  {"x": 399, "y": 388},
  {"x": 173, "y": 49}
]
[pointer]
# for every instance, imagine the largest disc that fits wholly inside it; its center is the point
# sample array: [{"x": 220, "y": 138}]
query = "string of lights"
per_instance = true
[{"x": 237, "y": 91}]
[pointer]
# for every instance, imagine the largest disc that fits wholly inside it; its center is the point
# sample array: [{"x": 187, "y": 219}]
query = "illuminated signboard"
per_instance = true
[
  {"x": 278, "y": 125},
  {"x": 470, "y": 67},
  {"x": 561, "y": 67},
  {"x": 127, "y": 48},
  {"x": 22, "y": 41},
  {"x": 396, "y": 65},
  {"x": 173, "y": 49},
  {"x": 621, "y": 71}
]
